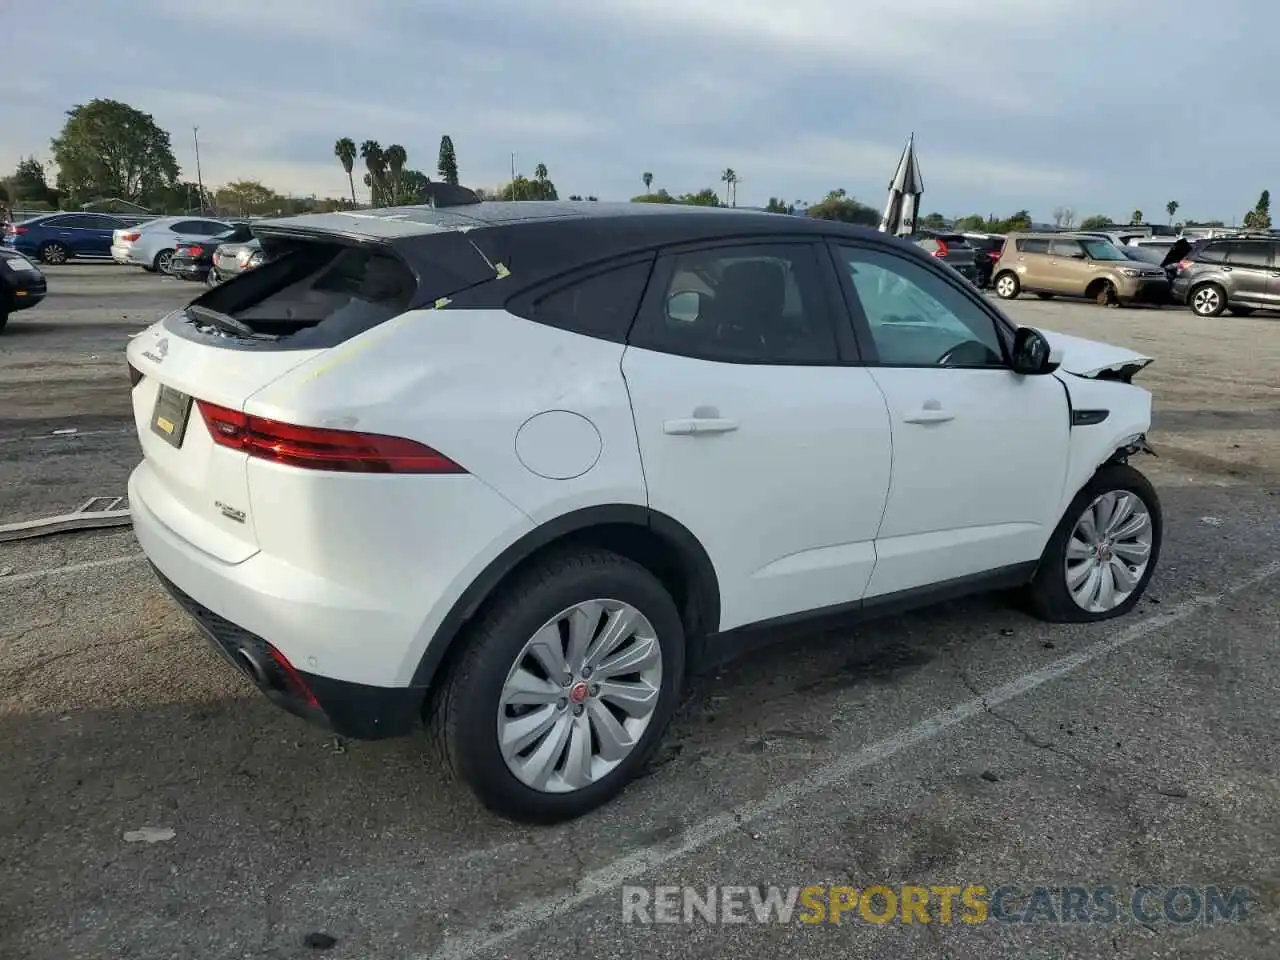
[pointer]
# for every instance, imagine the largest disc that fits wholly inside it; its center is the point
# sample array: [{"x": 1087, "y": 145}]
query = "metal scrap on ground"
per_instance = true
[{"x": 95, "y": 513}]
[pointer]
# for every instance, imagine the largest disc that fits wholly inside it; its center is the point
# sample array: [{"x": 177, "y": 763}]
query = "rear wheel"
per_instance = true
[
  {"x": 1007, "y": 286},
  {"x": 564, "y": 688},
  {"x": 1208, "y": 300},
  {"x": 1101, "y": 557},
  {"x": 54, "y": 252},
  {"x": 161, "y": 263}
]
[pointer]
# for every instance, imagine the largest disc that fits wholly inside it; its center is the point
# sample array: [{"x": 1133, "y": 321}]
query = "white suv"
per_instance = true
[{"x": 521, "y": 467}]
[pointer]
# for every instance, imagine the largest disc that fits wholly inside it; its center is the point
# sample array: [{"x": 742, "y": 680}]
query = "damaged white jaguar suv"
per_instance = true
[{"x": 517, "y": 469}]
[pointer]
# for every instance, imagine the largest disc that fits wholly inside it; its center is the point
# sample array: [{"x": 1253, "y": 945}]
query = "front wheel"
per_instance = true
[
  {"x": 564, "y": 687},
  {"x": 211, "y": 279},
  {"x": 54, "y": 253},
  {"x": 1101, "y": 557},
  {"x": 1007, "y": 286},
  {"x": 1105, "y": 295}
]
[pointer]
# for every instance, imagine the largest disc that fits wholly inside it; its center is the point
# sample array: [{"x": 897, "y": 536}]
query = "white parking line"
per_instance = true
[
  {"x": 71, "y": 568},
  {"x": 521, "y": 919}
]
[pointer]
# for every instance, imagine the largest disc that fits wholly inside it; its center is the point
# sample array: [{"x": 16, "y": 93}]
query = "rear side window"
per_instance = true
[
  {"x": 1211, "y": 253},
  {"x": 1033, "y": 245},
  {"x": 601, "y": 305},
  {"x": 1249, "y": 253}
]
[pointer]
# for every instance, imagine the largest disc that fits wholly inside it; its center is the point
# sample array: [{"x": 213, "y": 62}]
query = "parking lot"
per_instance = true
[{"x": 966, "y": 744}]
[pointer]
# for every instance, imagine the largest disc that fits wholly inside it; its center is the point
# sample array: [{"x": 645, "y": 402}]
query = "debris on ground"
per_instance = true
[
  {"x": 149, "y": 835},
  {"x": 319, "y": 941}
]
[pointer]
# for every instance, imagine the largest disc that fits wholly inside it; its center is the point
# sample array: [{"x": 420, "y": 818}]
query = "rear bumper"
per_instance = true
[
  {"x": 1180, "y": 289},
  {"x": 356, "y": 710},
  {"x": 124, "y": 254},
  {"x": 188, "y": 269}
]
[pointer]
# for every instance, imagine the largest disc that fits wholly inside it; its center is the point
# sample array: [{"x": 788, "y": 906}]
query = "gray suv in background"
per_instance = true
[
  {"x": 1240, "y": 274},
  {"x": 953, "y": 249}
]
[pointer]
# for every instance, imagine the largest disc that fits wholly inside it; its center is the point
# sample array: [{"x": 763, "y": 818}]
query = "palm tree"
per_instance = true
[
  {"x": 1137, "y": 216},
  {"x": 1171, "y": 208},
  {"x": 540, "y": 172},
  {"x": 374, "y": 161},
  {"x": 345, "y": 151},
  {"x": 647, "y": 177},
  {"x": 730, "y": 179},
  {"x": 396, "y": 158}
]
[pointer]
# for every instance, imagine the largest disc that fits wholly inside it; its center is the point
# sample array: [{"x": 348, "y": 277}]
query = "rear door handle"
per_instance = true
[
  {"x": 1225, "y": 269},
  {"x": 704, "y": 420},
  {"x": 930, "y": 412}
]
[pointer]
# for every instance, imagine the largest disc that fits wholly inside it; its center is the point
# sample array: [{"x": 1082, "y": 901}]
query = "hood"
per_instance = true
[{"x": 1089, "y": 358}]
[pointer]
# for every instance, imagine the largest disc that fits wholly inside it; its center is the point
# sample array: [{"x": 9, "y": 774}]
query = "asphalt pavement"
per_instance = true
[{"x": 152, "y": 805}]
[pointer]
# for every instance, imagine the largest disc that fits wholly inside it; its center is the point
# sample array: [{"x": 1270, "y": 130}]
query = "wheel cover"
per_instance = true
[
  {"x": 580, "y": 695},
  {"x": 1206, "y": 300},
  {"x": 1004, "y": 286},
  {"x": 56, "y": 253},
  {"x": 162, "y": 261},
  {"x": 1108, "y": 551}
]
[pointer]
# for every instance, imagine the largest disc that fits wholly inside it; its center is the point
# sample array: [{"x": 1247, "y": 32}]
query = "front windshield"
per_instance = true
[{"x": 1102, "y": 250}]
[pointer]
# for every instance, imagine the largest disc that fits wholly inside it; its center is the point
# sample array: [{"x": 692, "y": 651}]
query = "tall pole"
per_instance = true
[
  {"x": 513, "y": 177},
  {"x": 195, "y": 135}
]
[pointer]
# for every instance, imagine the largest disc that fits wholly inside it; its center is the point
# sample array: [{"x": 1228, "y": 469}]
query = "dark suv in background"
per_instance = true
[
  {"x": 1240, "y": 274},
  {"x": 951, "y": 248},
  {"x": 986, "y": 254}
]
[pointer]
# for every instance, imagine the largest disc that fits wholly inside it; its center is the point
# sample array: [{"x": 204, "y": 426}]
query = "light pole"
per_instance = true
[{"x": 195, "y": 136}]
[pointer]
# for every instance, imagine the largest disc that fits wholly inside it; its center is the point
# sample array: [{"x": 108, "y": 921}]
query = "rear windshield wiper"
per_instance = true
[{"x": 225, "y": 322}]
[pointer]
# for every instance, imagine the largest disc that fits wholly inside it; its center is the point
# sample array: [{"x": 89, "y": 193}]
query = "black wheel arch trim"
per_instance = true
[{"x": 706, "y": 599}]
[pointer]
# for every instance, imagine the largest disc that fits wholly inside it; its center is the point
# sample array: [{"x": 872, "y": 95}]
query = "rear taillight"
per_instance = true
[
  {"x": 195, "y": 250},
  {"x": 321, "y": 448},
  {"x": 130, "y": 237},
  {"x": 942, "y": 250},
  {"x": 995, "y": 254},
  {"x": 135, "y": 376},
  {"x": 1185, "y": 264},
  {"x": 14, "y": 230}
]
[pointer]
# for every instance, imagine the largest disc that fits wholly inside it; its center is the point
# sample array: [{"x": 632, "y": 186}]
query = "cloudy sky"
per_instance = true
[{"x": 1101, "y": 105}]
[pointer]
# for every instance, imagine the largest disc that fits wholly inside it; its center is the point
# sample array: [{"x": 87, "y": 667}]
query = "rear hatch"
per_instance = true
[{"x": 196, "y": 370}]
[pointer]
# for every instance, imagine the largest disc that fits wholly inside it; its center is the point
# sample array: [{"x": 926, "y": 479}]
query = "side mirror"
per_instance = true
[
  {"x": 1032, "y": 354},
  {"x": 685, "y": 306}
]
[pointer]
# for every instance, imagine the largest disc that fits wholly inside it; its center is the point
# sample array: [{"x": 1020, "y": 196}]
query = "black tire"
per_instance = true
[
  {"x": 1045, "y": 296},
  {"x": 211, "y": 279},
  {"x": 1211, "y": 304},
  {"x": 1047, "y": 596},
  {"x": 161, "y": 262},
  {"x": 464, "y": 708},
  {"x": 1240, "y": 311},
  {"x": 54, "y": 253},
  {"x": 1007, "y": 285},
  {"x": 4, "y": 316}
]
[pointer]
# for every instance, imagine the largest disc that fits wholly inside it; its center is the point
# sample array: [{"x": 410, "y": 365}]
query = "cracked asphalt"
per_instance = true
[{"x": 966, "y": 744}]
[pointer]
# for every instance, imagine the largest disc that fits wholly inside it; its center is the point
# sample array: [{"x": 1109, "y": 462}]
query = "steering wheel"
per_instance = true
[{"x": 957, "y": 353}]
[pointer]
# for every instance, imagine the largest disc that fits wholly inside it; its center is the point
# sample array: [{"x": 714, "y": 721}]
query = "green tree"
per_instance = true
[
  {"x": 1171, "y": 208},
  {"x": 28, "y": 187},
  {"x": 729, "y": 178},
  {"x": 838, "y": 205},
  {"x": 974, "y": 221},
  {"x": 647, "y": 177},
  {"x": 779, "y": 206},
  {"x": 1095, "y": 222},
  {"x": 244, "y": 198},
  {"x": 396, "y": 158},
  {"x": 345, "y": 150},
  {"x": 413, "y": 186},
  {"x": 447, "y": 163},
  {"x": 706, "y": 197},
  {"x": 1259, "y": 218},
  {"x": 109, "y": 149},
  {"x": 539, "y": 188},
  {"x": 540, "y": 172},
  {"x": 1136, "y": 217},
  {"x": 934, "y": 221},
  {"x": 375, "y": 162},
  {"x": 660, "y": 197}
]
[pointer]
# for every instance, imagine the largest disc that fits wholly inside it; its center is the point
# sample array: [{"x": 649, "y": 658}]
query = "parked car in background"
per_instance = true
[
  {"x": 1240, "y": 274},
  {"x": 359, "y": 480},
  {"x": 1163, "y": 254},
  {"x": 951, "y": 248},
  {"x": 22, "y": 285},
  {"x": 57, "y": 237},
  {"x": 986, "y": 253},
  {"x": 193, "y": 259},
  {"x": 151, "y": 245},
  {"x": 231, "y": 259},
  {"x": 1075, "y": 265}
]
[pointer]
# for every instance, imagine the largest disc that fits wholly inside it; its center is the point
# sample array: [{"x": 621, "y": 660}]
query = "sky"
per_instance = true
[{"x": 1102, "y": 106}]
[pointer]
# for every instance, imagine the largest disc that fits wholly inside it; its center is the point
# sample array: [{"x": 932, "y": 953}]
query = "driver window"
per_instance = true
[{"x": 918, "y": 319}]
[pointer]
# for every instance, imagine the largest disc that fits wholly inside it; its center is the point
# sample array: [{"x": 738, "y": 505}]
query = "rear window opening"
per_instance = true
[{"x": 312, "y": 293}]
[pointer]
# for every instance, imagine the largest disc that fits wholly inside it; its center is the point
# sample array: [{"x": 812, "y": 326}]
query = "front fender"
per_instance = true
[{"x": 1096, "y": 437}]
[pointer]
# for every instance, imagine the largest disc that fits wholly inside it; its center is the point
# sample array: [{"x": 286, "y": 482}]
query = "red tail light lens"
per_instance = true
[
  {"x": 130, "y": 237},
  {"x": 942, "y": 250},
  {"x": 135, "y": 376},
  {"x": 14, "y": 230},
  {"x": 1185, "y": 264},
  {"x": 995, "y": 254},
  {"x": 321, "y": 448},
  {"x": 195, "y": 250}
]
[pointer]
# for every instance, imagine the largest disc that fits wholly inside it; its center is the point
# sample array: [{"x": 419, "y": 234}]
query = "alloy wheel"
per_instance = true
[
  {"x": 1206, "y": 301},
  {"x": 55, "y": 253},
  {"x": 1004, "y": 286},
  {"x": 1108, "y": 551},
  {"x": 580, "y": 695},
  {"x": 162, "y": 261}
]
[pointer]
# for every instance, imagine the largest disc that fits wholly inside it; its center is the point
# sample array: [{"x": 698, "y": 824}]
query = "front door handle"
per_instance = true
[
  {"x": 1225, "y": 269},
  {"x": 930, "y": 411}
]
